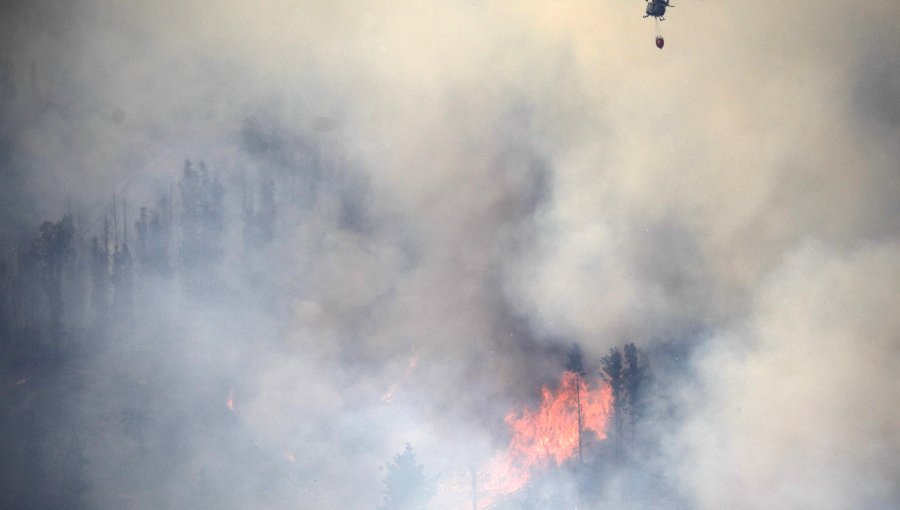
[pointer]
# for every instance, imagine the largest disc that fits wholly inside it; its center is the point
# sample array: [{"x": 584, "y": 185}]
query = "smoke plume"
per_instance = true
[{"x": 423, "y": 207}]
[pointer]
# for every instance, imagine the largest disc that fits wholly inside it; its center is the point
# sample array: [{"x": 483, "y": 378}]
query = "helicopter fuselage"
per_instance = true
[{"x": 656, "y": 8}]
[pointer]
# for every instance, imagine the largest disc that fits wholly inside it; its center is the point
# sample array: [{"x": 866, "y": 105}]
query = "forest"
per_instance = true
[
  {"x": 466, "y": 255},
  {"x": 95, "y": 303}
]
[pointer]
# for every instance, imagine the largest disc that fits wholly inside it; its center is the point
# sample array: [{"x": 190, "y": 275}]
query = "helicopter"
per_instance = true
[{"x": 657, "y": 9}]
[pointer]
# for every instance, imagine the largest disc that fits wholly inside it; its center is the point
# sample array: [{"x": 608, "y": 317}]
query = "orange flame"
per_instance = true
[
  {"x": 549, "y": 435},
  {"x": 230, "y": 402}
]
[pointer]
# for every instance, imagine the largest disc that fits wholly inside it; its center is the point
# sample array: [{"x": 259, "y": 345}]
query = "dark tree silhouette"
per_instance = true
[
  {"x": 123, "y": 282},
  {"x": 635, "y": 374},
  {"x": 141, "y": 246},
  {"x": 154, "y": 228},
  {"x": 575, "y": 364},
  {"x": 100, "y": 279},
  {"x": 406, "y": 485},
  {"x": 55, "y": 248},
  {"x": 158, "y": 235},
  {"x": 202, "y": 224},
  {"x": 575, "y": 361},
  {"x": 29, "y": 308},
  {"x": 613, "y": 373}
]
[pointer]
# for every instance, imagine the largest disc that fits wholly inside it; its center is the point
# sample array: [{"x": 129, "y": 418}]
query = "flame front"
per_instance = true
[{"x": 550, "y": 435}]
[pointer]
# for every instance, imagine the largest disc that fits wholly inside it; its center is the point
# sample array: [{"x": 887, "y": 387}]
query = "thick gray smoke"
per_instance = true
[{"x": 461, "y": 190}]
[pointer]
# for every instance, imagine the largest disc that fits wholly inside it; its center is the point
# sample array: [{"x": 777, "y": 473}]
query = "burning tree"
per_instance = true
[{"x": 552, "y": 434}]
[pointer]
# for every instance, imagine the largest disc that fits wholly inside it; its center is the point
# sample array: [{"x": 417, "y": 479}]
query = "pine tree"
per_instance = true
[
  {"x": 612, "y": 368},
  {"x": 575, "y": 364},
  {"x": 123, "y": 283},
  {"x": 55, "y": 248},
  {"x": 406, "y": 485},
  {"x": 635, "y": 373},
  {"x": 202, "y": 225},
  {"x": 100, "y": 279}
]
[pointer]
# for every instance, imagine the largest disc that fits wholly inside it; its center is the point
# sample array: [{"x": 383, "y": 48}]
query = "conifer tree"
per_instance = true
[
  {"x": 612, "y": 369},
  {"x": 634, "y": 374},
  {"x": 406, "y": 485},
  {"x": 575, "y": 364}
]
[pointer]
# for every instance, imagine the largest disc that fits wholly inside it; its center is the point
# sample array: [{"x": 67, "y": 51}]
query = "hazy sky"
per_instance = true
[{"x": 532, "y": 173}]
